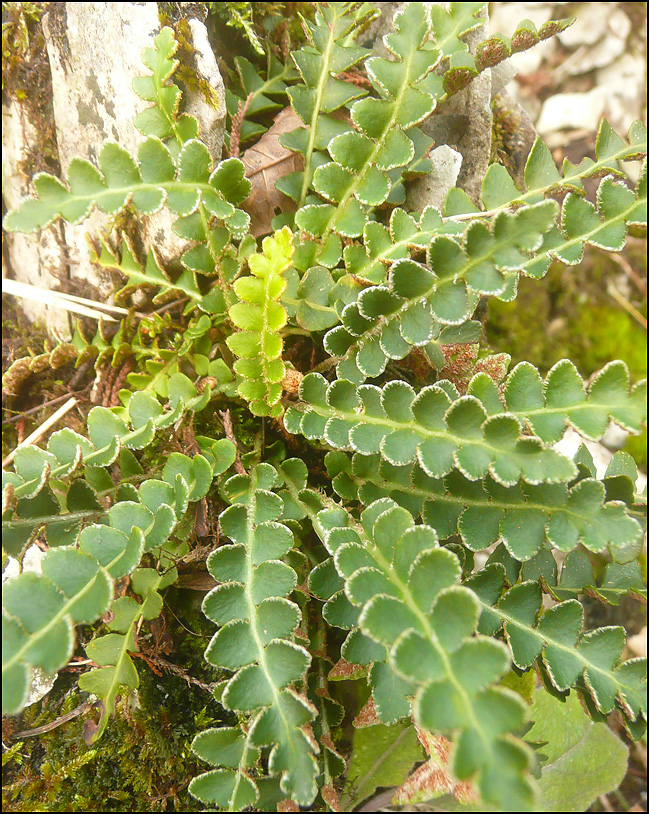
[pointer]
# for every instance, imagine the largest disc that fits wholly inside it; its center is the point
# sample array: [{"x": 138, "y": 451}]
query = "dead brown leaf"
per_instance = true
[
  {"x": 433, "y": 778},
  {"x": 265, "y": 162},
  {"x": 367, "y": 716}
]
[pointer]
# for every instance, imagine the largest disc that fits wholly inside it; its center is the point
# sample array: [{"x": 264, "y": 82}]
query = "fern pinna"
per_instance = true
[{"x": 449, "y": 541}]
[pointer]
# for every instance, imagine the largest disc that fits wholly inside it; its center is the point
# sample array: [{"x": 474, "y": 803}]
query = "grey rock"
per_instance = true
[
  {"x": 433, "y": 189},
  {"x": 37, "y": 259},
  {"x": 94, "y": 51},
  {"x": 464, "y": 122},
  {"x": 501, "y": 75}
]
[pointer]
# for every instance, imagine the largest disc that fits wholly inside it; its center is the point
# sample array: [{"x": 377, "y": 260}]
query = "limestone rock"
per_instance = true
[
  {"x": 465, "y": 122},
  {"x": 94, "y": 51},
  {"x": 433, "y": 189}
]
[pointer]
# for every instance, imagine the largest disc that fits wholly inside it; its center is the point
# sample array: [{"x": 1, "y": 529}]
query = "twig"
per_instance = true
[
  {"x": 470, "y": 215},
  {"x": 639, "y": 318},
  {"x": 40, "y": 431},
  {"x": 53, "y": 299},
  {"x": 264, "y": 167},
  {"x": 237, "y": 121},
  {"x": 630, "y": 272},
  {"x": 175, "y": 669},
  {"x": 229, "y": 433},
  {"x": 63, "y": 719},
  {"x": 171, "y": 305}
]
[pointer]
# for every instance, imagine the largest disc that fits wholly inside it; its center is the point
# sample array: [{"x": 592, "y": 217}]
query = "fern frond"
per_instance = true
[
  {"x": 257, "y": 93},
  {"x": 542, "y": 176},
  {"x": 255, "y": 641},
  {"x": 162, "y": 118},
  {"x": 569, "y": 658},
  {"x": 386, "y": 321},
  {"x": 329, "y": 53},
  {"x": 394, "y": 583},
  {"x": 382, "y": 246},
  {"x": 478, "y": 433},
  {"x": 260, "y": 316},
  {"x": 359, "y": 177},
  {"x": 111, "y": 652},
  {"x": 547, "y": 406},
  {"x": 146, "y": 186},
  {"x": 577, "y": 578},
  {"x": 524, "y": 516},
  {"x": 107, "y": 434},
  {"x": 581, "y": 223},
  {"x": 464, "y": 67},
  {"x": 152, "y": 273},
  {"x": 40, "y": 611}
]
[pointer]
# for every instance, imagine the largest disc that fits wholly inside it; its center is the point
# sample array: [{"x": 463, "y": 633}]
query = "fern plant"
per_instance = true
[{"x": 451, "y": 542}]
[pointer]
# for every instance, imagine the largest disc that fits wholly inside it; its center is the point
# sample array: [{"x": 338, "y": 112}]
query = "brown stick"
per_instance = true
[
  {"x": 63, "y": 719},
  {"x": 235, "y": 130},
  {"x": 229, "y": 433}
]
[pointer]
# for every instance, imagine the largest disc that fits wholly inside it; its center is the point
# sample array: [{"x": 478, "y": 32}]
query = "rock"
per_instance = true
[
  {"x": 501, "y": 75},
  {"x": 515, "y": 131},
  {"x": 465, "y": 122},
  {"x": 568, "y": 111},
  {"x": 209, "y": 112},
  {"x": 614, "y": 29},
  {"x": 594, "y": 21},
  {"x": 40, "y": 259},
  {"x": 94, "y": 51},
  {"x": 433, "y": 189},
  {"x": 625, "y": 83}
]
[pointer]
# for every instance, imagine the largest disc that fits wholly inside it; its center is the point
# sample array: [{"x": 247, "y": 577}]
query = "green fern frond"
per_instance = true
[
  {"x": 477, "y": 433},
  {"x": 401, "y": 590},
  {"x": 40, "y": 611},
  {"x": 569, "y": 657},
  {"x": 256, "y": 642},
  {"x": 525, "y": 517}
]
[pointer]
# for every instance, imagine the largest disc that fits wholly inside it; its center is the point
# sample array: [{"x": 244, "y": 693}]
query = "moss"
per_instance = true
[{"x": 143, "y": 762}]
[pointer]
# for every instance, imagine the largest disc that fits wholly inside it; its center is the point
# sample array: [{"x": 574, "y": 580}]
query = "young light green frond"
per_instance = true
[
  {"x": 260, "y": 316},
  {"x": 256, "y": 642}
]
